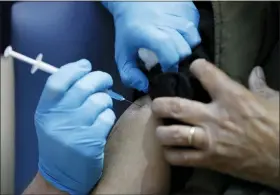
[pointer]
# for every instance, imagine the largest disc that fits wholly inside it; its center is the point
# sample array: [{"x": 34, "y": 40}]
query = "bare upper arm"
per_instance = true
[{"x": 134, "y": 162}]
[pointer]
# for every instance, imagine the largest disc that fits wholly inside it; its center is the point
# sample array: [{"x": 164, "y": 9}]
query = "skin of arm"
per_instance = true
[
  {"x": 40, "y": 186},
  {"x": 134, "y": 162}
]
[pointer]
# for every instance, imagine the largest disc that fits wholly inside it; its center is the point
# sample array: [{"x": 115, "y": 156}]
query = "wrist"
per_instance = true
[
  {"x": 118, "y": 8},
  {"x": 40, "y": 186},
  {"x": 54, "y": 182},
  {"x": 66, "y": 183}
]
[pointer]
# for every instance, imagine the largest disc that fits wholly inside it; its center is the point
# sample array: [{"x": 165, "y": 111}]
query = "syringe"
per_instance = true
[{"x": 38, "y": 64}]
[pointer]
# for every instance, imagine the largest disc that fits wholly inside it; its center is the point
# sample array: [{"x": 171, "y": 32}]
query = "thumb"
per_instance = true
[
  {"x": 257, "y": 84},
  {"x": 131, "y": 75}
]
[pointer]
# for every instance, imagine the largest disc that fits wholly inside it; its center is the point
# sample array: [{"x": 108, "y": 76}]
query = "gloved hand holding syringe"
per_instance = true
[
  {"x": 73, "y": 119},
  {"x": 43, "y": 66}
]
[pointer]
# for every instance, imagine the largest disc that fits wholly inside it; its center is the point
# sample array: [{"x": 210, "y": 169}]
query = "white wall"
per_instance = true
[{"x": 7, "y": 126}]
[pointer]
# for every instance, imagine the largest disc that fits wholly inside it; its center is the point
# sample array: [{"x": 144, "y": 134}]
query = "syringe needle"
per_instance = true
[{"x": 132, "y": 102}]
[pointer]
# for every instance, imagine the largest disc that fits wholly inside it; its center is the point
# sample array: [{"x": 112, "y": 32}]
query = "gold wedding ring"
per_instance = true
[{"x": 190, "y": 137}]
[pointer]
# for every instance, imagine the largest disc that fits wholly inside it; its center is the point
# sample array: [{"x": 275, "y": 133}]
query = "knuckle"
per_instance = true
[
  {"x": 169, "y": 61},
  {"x": 176, "y": 107},
  {"x": 220, "y": 151},
  {"x": 238, "y": 94},
  {"x": 185, "y": 51},
  {"x": 159, "y": 133},
  {"x": 84, "y": 84},
  {"x": 186, "y": 159},
  {"x": 168, "y": 156},
  {"x": 101, "y": 99},
  {"x": 162, "y": 38},
  {"x": 177, "y": 135},
  {"x": 54, "y": 87},
  {"x": 126, "y": 78},
  {"x": 108, "y": 117}
]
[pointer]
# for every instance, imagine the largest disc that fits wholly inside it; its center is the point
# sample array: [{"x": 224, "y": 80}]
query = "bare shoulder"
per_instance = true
[
  {"x": 134, "y": 162},
  {"x": 140, "y": 112}
]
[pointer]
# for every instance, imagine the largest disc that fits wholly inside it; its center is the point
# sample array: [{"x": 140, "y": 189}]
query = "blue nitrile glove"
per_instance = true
[
  {"x": 167, "y": 28},
  {"x": 72, "y": 120}
]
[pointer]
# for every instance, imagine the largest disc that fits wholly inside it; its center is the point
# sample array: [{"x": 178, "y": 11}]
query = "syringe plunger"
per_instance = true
[{"x": 37, "y": 64}]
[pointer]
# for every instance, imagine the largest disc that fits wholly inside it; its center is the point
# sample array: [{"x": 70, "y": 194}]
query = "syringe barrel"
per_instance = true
[{"x": 47, "y": 67}]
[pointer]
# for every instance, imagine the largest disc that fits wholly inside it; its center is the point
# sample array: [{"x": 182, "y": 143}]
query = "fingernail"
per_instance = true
[{"x": 259, "y": 73}]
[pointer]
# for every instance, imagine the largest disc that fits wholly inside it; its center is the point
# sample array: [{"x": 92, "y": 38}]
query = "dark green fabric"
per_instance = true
[
  {"x": 241, "y": 36},
  {"x": 271, "y": 68}
]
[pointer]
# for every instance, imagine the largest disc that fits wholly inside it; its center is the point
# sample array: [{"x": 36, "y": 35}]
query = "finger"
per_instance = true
[
  {"x": 148, "y": 57},
  {"x": 93, "y": 106},
  {"x": 103, "y": 124},
  {"x": 91, "y": 83},
  {"x": 181, "y": 109},
  {"x": 190, "y": 34},
  {"x": 160, "y": 43},
  {"x": 213, "y": 80},
  {"x": 257, "y": 80},
  {"x": 131, "y": 76},
  {"x": 181, "y": 44},
  {"x": 257, "y": 84},
  {"x": 179, "y": 135},
  {"x": 179, "y": 157},
  {"x": 58, "y": 83}
]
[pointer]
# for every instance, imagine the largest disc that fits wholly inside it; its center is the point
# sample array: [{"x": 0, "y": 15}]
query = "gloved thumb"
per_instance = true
[{"x": 132, "y": 76}]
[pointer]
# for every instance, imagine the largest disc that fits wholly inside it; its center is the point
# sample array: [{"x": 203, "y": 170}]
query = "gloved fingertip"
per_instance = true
[
  {"x": 192, "y": 35},
  {"x": 84, "y": 63},
  {"x": 141, "y": 85},
  {"x": 134, "y": 78},
  {"x": 105, "y": 77},
  {"x": 144, "y": 87},
  {"x": 145, "y": 90},
  {"x": 108, "y": 116},
  {"x": 187, "y": 52},
  {"x": 194, "y": 40}
]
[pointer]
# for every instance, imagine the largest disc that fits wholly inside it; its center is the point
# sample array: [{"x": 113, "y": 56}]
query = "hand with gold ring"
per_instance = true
[{"x": 237, "y": 133}]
